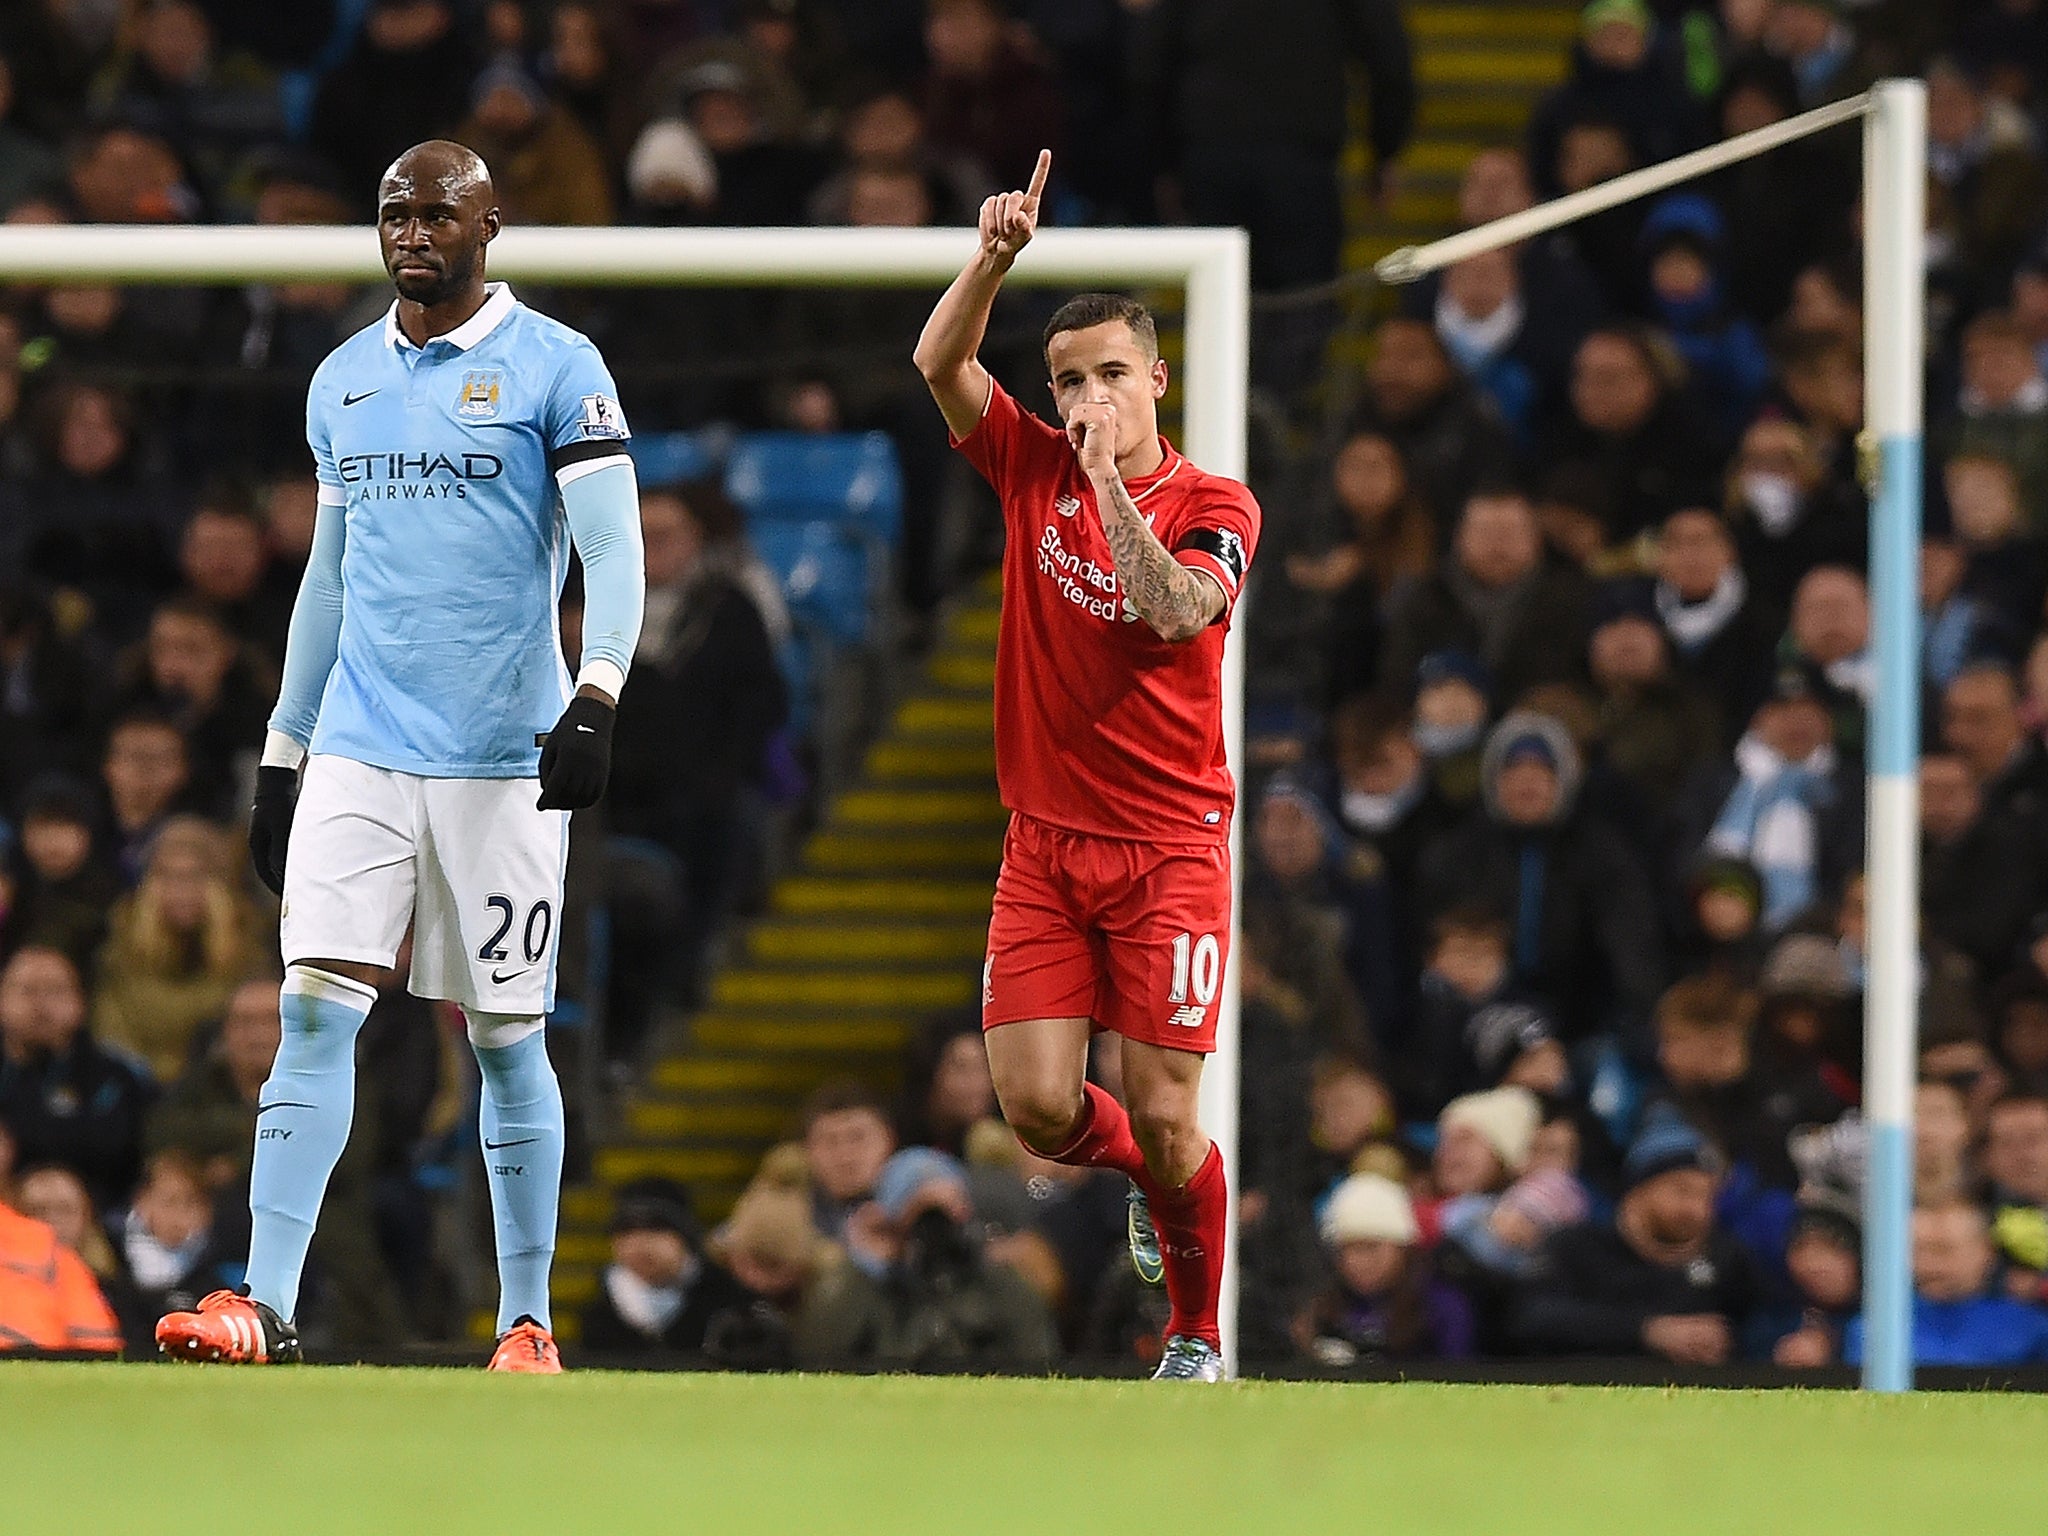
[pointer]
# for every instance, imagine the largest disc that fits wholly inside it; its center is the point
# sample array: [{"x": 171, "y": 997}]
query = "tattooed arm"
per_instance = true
[{"x": 1178, "y": 603}]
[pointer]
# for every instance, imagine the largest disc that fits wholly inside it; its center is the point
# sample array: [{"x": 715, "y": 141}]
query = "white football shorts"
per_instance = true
[{"x": 469, "y": 863}]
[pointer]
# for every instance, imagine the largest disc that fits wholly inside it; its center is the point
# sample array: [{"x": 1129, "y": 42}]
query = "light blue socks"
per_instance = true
[
  {"x": 302, "y": 1121},
  {"x": 521, "y": 1122}
]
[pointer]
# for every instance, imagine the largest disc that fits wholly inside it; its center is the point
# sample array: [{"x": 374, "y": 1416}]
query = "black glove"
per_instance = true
[
  {"x": 270, "y": 823},
  {"x": 576, "y": 756}
]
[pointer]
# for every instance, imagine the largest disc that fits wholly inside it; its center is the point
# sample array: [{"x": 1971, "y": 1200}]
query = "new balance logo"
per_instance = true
[
  {"x": 1190, "y": 1017},
  {"x": 1067, "y": 506}
]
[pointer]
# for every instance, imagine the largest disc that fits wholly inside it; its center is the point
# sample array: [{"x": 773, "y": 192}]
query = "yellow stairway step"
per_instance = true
[
  {"x": 828, "y": 943},
  {"x": 584, "y": 1205},
  {"x": 722, "y": 1122},
  {"x": 572, "y": 1292},
  {"x": 875, "y": 852},
  {"x": 831, "y": 1036},
  {"x": 1491, "y": 66},
  {"x": 915, "y": 990},
  {"x": 977, "y": 625},
  {"x": 816, "y": 896},
  {"x": 1432, "y": 210},
  {"x": 1505, "y": 113},
  {"x": 1439, "y": 157},
  {"x": 1434, "y": 24},
  {"x": 686, "y": 1165},
  {"x": 939, "y": 716},
  {"x": 582, "y": 1248},
  {"x": 892, "y": 760},
  {"x": 965, "y": 669},
  {"x": 919, "y": 808},
  {"x": 731, "y": 1074}
]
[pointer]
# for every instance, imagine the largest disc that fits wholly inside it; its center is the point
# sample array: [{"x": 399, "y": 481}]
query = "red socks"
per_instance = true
[
  {"x": 1190, "y": 1222},
  {"x": 1104, "y": 1140},
  {"x": 1190, "y": 1219}
]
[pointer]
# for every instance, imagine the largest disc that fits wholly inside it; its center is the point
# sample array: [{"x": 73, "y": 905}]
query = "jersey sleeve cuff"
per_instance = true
[
  {"x": 582, "y": 458},
  {"x": 333, "y": 495},
  {"x": 281, "y": 751},
  {"x": 608, "y": 677}
]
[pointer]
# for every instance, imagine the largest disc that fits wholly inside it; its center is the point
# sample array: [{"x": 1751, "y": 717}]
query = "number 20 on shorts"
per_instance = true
[{"x": 1197, "y": 961}]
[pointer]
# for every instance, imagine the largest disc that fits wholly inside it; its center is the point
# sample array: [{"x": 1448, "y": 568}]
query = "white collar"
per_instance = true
[{"x": 498, "y": 303}]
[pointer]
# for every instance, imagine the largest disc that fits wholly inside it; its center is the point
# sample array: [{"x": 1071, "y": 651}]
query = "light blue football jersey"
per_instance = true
[{"x": 443, "y": 459}]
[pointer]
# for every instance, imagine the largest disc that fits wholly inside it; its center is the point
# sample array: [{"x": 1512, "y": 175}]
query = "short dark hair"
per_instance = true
[
  {"x": 1084, "y": 311},
  {"x": 1469, "y": 922},
  {"x": 841, "y": 1095}
]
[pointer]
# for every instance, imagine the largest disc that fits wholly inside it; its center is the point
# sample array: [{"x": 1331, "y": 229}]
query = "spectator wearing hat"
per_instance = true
[
  {"x": 1452, "y": 707},
  {"x": 1785, "y": 801},
  {"x": 544, "y": 164},
  {"x": 1483, "y": 1143},
  {"x": 1824, "y": 1263},
  {"x": 1580, "y": 913},
  {"x": 1496, "y": 599},
  {"x": 1382, "y": 1302},
  {"x": 1979, "y": 881},
  {"x": 1660, "y": 1279},
  {"x": 920, "y": 1292},
  {"x": 1683, "y": 240},
  {"x": 660, "y": 1292},
  {"x": 1719, "y": 925},
  {"x": 1958, "y": 1317},
  {"x": 1625, "y": 73},
  {"x": 1805, "y": 1022},
  {"x": 1299, "y": 906}
]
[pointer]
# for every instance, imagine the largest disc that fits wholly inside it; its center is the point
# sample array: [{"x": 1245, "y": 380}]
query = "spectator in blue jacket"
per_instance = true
[
  {"x": 1683, "y": 241},
  {"x": 1957, "y": 1318}
]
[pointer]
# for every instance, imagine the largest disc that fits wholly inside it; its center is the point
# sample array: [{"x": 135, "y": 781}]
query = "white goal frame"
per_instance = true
[{"x": 1212, "y": 265}]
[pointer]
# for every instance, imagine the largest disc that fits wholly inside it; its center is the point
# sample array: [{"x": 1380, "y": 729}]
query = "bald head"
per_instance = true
[{"x": 436, "y": 211}]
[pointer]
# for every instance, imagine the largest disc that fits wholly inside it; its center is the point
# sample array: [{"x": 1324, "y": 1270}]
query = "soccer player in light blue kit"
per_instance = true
[{"x": 461, "y": 443}]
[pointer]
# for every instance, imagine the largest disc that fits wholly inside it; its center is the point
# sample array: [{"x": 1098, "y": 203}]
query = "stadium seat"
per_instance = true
[
  {"x": 670, "y": 458},
  {"x": 848, "y": 478},
  {"x": 824, "y": 576}
]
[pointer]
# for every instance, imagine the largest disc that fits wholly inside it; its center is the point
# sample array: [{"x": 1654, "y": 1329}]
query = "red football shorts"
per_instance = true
[{"x": 1132, "y": 935}]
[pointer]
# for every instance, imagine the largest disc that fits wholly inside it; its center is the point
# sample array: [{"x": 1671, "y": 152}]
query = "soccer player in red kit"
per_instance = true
[{"x": 1112, "y": 910}]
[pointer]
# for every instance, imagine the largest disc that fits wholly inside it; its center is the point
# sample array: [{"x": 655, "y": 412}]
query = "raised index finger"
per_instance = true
[{"x": 1038, "y": 174}]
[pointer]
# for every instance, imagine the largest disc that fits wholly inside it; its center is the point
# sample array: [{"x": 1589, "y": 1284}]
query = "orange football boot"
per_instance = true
[
  {"x": 528, "y": 1348},
  {"x": 231, "y": 1329}
]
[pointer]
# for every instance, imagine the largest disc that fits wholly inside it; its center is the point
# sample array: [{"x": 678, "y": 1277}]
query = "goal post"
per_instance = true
[
  {"x": 1212, "y": 265},
  {"x": 1894, "y": 114}
]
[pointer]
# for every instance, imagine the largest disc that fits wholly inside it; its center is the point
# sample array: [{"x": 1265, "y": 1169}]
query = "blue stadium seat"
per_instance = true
[
  {"x": 824, "y": 576},
  {"x": 670, "y": 458},
  {"x": 848, "y": 478}
]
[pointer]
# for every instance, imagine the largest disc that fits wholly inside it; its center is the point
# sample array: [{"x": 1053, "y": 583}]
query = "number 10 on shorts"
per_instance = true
[{"x": 1197, "y": 961}]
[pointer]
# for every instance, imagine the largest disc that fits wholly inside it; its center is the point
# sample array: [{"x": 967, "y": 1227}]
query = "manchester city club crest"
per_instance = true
[{"x": 479, "y": 398}]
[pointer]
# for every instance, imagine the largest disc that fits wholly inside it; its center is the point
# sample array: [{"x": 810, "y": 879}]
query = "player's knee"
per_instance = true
[
  {"x": 495, "y": 1031},
  {"x": 1165, "y": 1128},
  {"x": 1041, "y": 1112}
]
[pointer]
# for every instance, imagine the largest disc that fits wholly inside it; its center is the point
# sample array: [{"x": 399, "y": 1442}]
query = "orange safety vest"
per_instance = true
[{"x": 48, "y": 1298}]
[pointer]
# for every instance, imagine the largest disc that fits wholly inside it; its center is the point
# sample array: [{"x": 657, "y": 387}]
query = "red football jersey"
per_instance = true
[{"x": 1101, "y": 726}]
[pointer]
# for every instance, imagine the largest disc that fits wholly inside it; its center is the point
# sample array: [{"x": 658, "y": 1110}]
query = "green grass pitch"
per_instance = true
[{"x": 111, "y": 1449}]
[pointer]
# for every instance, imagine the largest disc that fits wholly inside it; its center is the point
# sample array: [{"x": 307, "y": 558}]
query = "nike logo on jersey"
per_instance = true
[
  {"x": 499, "y": 978},
  {"x": 264, "y": 1109},
  {"x": 359, "y": 399},
  {"x": 499, "y": 1146}
]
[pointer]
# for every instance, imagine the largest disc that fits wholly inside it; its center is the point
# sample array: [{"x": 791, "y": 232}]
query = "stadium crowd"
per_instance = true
[{"x": 1553, "y": 924}]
